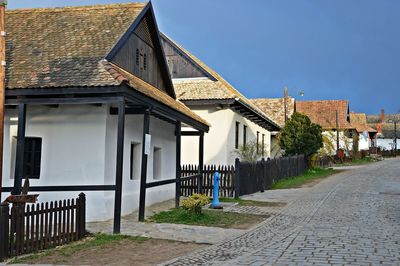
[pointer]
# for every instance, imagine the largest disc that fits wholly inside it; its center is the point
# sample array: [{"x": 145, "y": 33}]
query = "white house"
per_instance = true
[
  {"x": 234, "y": 119},
  {"x": 367, "y": 135},
  {"x": 90, "y": 107}
]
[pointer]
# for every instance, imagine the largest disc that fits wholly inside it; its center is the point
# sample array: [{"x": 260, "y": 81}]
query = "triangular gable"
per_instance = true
[
  {"x": 139, "y": 52},
  {"x": 180, "y": 64}
]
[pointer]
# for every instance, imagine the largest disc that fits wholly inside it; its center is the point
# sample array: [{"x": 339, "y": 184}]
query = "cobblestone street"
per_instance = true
[{"x": 352, "y": 218}]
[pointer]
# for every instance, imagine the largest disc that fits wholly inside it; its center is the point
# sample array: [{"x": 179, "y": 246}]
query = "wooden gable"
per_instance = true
[
  {"x": 140, "y": 53},
  {"x": 179, "y": 64}
]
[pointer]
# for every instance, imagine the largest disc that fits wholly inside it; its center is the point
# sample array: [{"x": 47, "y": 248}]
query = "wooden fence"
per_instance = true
[
  {"x": 39, "y": 226},
  {"x": 243, "y": 178},
  {"x": 260, "y": 176},
  {"x": 226, "y": 183}
]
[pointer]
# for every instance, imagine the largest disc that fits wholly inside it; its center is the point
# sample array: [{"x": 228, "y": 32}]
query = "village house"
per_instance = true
[
  {"x": 278, "y": 110},
  {"x": 90, "y": 106},
  {"x": 367, "y": 135},
  {"x": 331, "y": 115},
  {"x": 234, "y": 119},
  {"x": 384, "y": 125}
]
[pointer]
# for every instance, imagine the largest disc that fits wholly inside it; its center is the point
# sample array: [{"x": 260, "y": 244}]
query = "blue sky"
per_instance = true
[{"x": 329, "y": 49}]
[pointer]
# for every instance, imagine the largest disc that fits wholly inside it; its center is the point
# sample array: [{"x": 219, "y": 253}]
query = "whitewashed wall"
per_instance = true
[
  {"x": 387, "y": 143},
  {"x": 219, "y": 142},
  {"x": 363, "y": 142},
  {"x": 79, "y": 148},
  {"x": 343, "y": 140}
]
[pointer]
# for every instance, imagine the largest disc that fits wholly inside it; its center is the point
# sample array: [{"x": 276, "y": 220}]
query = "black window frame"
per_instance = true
[
  {"x": 263, "y": 145},
  {"x": 32, "y": 157},
  {"x": 237, "y": 125},
  {"x": 258, "y": 140},
  {"x": 131, "y": 161},
  {"x": 244, "y": 135}
]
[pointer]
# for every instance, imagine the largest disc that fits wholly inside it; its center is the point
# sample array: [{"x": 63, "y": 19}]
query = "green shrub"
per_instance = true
[{"x": 195, "y": 202}]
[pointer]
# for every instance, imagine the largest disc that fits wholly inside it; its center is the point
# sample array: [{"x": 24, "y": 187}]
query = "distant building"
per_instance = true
[
  {"x": 385, "y": 129},
  {"x": 279, "y": 111}
]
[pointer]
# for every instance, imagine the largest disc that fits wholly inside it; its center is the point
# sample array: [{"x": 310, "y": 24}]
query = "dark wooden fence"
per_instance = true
[
  {"x": 31, "y": 227},
  {"x": 226, "y": 183},
  {"x": 260, "y": 176},
  {"x": 247, "y": 177}
]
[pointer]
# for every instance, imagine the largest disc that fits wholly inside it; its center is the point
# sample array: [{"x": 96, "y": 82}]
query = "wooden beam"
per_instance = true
[
  {"x": 143, "y": 176},
  {"x": 66, "y": 188},
  {"x": 129, "y": 110},
  {"x": 19, "y": 159},
  {"x": 191, "y": 133},
  {"x": 65, "y": 100},
  {"x": 119, "y": 167},
  {"x": 2, "y": 85},
  {"x": 201, "y": 163},
  {"x": 178, "y": 131}
]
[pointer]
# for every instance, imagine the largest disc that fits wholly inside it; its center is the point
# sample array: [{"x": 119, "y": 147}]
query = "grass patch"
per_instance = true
[
  {"x": 94, "y": 241},
  {"x": 309, "y": 175},
  {"x": 206, "y": 218},
  {"x": 243, "y": 202}
]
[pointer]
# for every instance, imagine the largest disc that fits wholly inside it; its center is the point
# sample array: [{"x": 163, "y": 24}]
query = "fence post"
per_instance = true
[
  {"x": 237, "y": 178},
  {"x": 82, "y": 215},
  {"x": 4, "y": 230},
  {"x": 262, "y": 174}
]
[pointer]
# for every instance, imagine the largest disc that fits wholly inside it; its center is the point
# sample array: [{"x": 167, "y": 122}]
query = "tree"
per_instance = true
[
  {"x": 300, "y": 136},
  {"x": 249, "y": 152}
]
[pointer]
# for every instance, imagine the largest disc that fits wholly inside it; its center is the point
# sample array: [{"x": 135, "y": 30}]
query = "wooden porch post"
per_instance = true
[
  {"x": 19, "y": 160},
  {"x": 201, "y": 163},
  {"x": 143, "y": 176},
  {"x": 3, "y": 4},
  {"x": 178, "y": 163},
  {"x": 119, "y": 166}
]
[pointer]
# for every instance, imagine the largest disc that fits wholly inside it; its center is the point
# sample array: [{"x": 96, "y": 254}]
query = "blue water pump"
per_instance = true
[{"x": 215, "y": 203}]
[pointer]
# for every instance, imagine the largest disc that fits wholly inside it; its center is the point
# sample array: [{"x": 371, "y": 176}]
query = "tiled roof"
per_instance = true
[
  {"x": 62, "y": 47},
  {"x": 323, "y": 112},
  {"x": 149, "y": 90},
  {"x": 274, "y": 108},
  {"x": 200, "y": 89},
  {"x": 65, "y": 47},
  {"x": 387, "y": 128},
  {"x": 207, "y": 89},
  {"x": 359, "y": 121}
]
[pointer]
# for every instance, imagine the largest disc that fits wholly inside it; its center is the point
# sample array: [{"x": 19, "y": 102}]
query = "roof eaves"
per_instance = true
[{"x": 260, "y": 113}]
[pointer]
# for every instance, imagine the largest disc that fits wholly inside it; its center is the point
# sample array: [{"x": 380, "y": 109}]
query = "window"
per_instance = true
[
  {"x": 32, "y": 157},
  {"x": 262, "y": 145},
  {"x": 157, "y": 163},
  {"x": 237, "y": 135},
  {"x": 135, "y": 161},
  {"x": 244, "y": 135},
  {"x": 258, "y": 141}
]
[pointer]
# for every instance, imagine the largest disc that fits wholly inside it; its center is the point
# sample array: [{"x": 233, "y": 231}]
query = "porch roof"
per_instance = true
[{"x": 122, "y": 76}]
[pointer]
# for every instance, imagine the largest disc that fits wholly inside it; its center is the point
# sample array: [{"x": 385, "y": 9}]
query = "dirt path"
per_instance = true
[{"x": 125, "y": 252}]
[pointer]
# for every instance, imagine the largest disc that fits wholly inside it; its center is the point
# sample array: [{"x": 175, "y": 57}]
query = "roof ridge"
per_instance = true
[{"x": 76, "y": 8}]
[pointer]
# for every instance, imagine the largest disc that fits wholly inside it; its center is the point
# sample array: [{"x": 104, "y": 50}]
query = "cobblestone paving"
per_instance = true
[{"x": 352, "y": 218}]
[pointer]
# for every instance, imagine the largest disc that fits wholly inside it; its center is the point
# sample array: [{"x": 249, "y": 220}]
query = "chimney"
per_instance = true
[{"x": 382, "y": 115}]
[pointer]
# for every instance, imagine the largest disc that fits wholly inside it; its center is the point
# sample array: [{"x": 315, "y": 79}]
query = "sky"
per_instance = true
[{"x": 328, "y": 49}]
